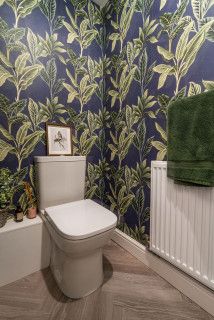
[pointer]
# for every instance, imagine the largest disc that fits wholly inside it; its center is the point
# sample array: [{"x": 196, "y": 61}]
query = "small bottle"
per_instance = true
[{"x": 19, "y": 214}]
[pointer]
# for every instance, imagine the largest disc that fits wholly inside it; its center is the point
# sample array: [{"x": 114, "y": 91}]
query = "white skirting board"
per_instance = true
[
  {"x": 196, "y": 291},
  {"x": 24, "y": 249}
]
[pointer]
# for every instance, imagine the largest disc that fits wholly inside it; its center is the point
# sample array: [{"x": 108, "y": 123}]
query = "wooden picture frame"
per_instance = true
[{"x": 59, "y": 139}]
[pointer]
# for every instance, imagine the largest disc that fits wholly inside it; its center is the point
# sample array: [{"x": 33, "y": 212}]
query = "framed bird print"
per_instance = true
[{"x": 59, "y": 139}]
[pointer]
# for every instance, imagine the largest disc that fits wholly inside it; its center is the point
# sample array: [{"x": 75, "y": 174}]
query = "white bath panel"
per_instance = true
[{"x": 24, "y": 249}]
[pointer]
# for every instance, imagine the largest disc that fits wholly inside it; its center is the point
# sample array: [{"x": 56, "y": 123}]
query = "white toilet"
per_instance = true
[{"x": 79, "y": 228}]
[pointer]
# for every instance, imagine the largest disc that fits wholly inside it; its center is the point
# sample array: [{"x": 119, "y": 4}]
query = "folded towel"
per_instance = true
[{"x": 190, "y": 152}]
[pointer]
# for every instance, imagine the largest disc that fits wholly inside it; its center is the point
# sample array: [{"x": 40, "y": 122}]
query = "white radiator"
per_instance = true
[{"x": 182, "y": 224}]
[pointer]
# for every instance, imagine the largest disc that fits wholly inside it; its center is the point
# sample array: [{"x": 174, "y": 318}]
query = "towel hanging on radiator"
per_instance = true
[{"x": 190, "y": 152}]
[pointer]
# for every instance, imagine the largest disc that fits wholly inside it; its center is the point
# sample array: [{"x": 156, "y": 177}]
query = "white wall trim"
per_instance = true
[{"x": 197, "y": 292}]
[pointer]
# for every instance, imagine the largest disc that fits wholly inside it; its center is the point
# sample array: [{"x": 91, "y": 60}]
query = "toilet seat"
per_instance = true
[{"x": 80, "y": 219}]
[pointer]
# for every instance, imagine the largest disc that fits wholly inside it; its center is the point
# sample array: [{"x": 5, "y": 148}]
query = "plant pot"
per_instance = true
[
  {"x": 3, "y": 217},
  {"x": 32, "y": 212}
]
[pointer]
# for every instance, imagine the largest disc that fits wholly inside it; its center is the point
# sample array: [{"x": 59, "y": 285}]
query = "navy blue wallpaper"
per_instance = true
[
  {"x": 51, "y": 70},
  {"x": 159, "y": 51},
  {"x": 111, "y": 73}
]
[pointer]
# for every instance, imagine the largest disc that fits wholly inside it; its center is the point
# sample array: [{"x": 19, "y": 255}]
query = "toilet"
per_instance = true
[{"x": 78, "y": 228}]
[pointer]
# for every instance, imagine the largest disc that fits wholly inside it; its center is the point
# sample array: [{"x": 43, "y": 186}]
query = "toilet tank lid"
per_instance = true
[{"x": 59, "y": 158}]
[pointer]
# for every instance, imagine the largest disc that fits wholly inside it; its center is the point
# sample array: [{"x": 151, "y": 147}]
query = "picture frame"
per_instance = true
[{"x": 59, "y": 139}]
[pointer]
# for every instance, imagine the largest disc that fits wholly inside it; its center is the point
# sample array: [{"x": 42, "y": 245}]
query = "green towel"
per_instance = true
[{"x": 190, "y": 152}]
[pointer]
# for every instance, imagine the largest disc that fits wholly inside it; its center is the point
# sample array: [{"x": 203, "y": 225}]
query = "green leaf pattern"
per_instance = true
[
  {"x": 29, "y": 59},
  {"x": 116, "y": 103},
  {"x": 177, "y": 37}
]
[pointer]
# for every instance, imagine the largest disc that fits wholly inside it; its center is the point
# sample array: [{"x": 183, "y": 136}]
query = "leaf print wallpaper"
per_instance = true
[
  {"x": 51, "y": 70},
  {"x": 159, "y": 51},
  {"x": 111, "y": 74}
]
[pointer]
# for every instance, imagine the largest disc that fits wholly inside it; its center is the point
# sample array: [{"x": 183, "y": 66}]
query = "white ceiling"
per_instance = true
[{"x": 101, "y": 3}]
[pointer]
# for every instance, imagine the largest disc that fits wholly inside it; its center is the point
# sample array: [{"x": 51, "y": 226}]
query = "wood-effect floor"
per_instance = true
[{"x": 131, "y": 291}]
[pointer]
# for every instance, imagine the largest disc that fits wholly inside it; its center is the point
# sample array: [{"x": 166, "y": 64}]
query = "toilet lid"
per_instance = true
[{"x": 80, "y": 219}]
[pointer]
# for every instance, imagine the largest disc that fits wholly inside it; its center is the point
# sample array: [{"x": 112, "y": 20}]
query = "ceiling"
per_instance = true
[{"x": 101, "y": 3}]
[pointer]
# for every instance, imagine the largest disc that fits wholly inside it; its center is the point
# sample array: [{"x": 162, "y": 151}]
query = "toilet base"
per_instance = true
[{"x": 77, "y": 276}]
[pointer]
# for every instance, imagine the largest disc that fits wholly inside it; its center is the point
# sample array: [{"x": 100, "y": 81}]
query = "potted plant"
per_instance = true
[
  {"x": 31, "y": 201},
  {"x": 6, "y": 193}
]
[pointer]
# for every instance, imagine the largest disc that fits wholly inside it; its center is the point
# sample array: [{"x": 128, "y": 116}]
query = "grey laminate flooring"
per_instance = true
[{"x": 130, "y": 291}]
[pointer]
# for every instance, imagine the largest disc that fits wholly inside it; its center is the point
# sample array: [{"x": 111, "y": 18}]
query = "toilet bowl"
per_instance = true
[{"x": 79, "y": 230}]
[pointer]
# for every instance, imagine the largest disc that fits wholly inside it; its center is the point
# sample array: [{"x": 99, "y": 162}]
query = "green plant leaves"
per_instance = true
[
  {"x": 182, "y": 43},
  {"x": 126, "y": 17},
  {"x": 165, "y": 71},
  {"x": 50, "y": 46},
  {"x": 21, "y": 8},
  {"x": 49, "y": 73},
  {"x": 20, "y": 63},
  {"x": 81, "y": 90},
  {"x": 4, "y": 75},
  {"x": 114, "y": 37},
  {"x": 162, "y": 4},
  {"x": 21, "y": 75},
  {"x": 122, "y": 84},
  {"x": 5, "y": 60},
  {"x": 121, "y": 145},
  {"x": 123, "y": 25},
  {"x": 185, "y": 55},
  {"x": 29, "y": 143},
  {"x": 48, "y": 8},
  {"x": 194, "y": 89},
  {"x": 86, "y": 142},
  {"x": 83, "y": 34},
  {"x": 193, "y": 47},
  {"x": 25, "y": 7},
  {"x": 72, "y": 33},
  {"x": 209, "y": 85},
  {"x": 11, "y": 3},
  {"x": 58, "y": 23},
  {"x": 123, "y": 132},
  {"x": 5, "y": 148},
  {"x": 35, "y": 46},
  {"x": 200, "y": 7},
  {"x": 26, "y": 56},
  {"x": 72, "y": 92},
  {"x": 22, "y": 133},
  {"x": 167, "y": 55},
  {"x": 6, "y": 134},
  {"x": 33, "y": 111},
  {"x": 160, "y": 146},
  {"x": 28, "y": 76}
]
